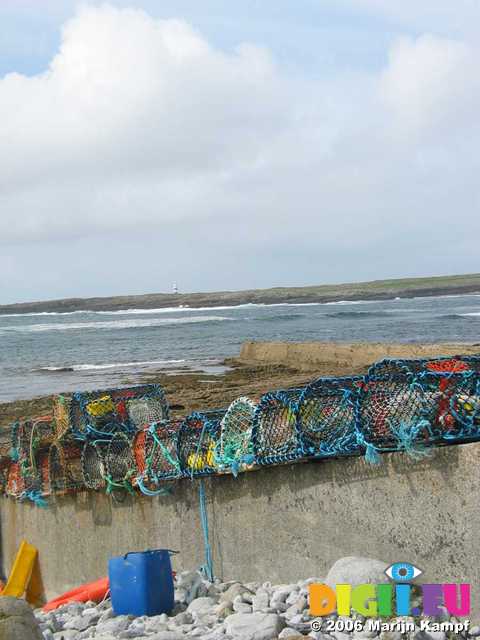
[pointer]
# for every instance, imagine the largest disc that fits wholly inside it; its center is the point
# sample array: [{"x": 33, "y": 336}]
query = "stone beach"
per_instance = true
[{"x": 234, "y": 611}]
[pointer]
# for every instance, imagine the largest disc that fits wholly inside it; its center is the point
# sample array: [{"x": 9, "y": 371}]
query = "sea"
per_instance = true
[{"x": 44, "y": 353}]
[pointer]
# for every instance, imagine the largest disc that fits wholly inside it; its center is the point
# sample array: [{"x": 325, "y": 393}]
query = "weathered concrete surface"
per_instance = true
[
  {"x": 279, "y": 523},
  {"x": 354, "y": 356}
]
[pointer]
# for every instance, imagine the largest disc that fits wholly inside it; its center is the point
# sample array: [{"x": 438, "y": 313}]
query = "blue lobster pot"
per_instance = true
[{"x": 141, "y": 584}]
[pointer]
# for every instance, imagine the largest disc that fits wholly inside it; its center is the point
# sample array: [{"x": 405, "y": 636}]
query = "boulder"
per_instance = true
[
  {"x": 260, "y": 600},
  {"x": 234, "y": 590},
  {"x": 17, "y": 620},
  {"x": 201, "y": 606},
  {"x": 254, "y": 626},
  {"x": 355, "y": 570}
]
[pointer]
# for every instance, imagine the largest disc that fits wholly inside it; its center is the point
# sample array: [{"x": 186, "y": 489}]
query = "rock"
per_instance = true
[
  {"x": 53, "y": 622},
  {"x": 301, "y": 603},
  {"x": 289, "y": 633},
  {"x": 48, "y": 635},
  {"x": 213, "y": 591},
  {"x": 69, "y": 634},
  {"x": 293, "y": 597},
  {"x": 260, "y": 600},
  {"x": 80, "y": 623},
  {"x": 241, "y": 607},
  {"x": 167, "y": 635},
  {"x": 365, "y": 634},
  {"x": 113, "y": 626},
  {"x": 157, "y": 623},
  {"x": 254, "y": 626},
  {"x": 137, "y": 632},
  {"x": 280, "y": 595},
  {"x": 223, "y": 609},
  {"x": 200, "y": 606},
  {"x": 179, "y": 607},
  {"x": 17, "y": 620},
  {"x": 474, "y": 631},
  {"x": 291, "y": 612},
  {"x": 217, "y": 634},
  {"x": 188, "y": 582},
  {"x": 234, "y": 590},
  {"x": 199, "y": 632},
  {"x": 107, "y": 614},
  {"x": 355, "y": 570},
  {"x": 182, "y": 618}
]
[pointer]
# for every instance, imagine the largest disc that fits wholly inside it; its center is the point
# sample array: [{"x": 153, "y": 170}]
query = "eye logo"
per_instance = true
[
  {"x": 382, "y": 600},
  {"x": 403, "y": 572}
]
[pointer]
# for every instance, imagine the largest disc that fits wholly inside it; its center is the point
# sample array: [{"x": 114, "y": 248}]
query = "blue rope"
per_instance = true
[
  {"x": 163, "y": 491},
  {"x": 207, "y": 568}
]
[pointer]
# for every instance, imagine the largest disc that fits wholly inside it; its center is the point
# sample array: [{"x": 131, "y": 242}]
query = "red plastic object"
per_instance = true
[{"x": 94, "y": 591}]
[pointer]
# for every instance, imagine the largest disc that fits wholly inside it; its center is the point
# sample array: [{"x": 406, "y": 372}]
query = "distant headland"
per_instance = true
[{"x": 374, "y": 290}]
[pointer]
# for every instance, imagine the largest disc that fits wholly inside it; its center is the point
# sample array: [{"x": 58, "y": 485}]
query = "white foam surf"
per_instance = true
[
  {"x": 111, "y": 324},
  {"x": 113, "y": 365}
]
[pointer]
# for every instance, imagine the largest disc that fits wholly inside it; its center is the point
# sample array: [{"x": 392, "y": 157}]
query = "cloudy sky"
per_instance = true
[{"x": 230, "y": 145}]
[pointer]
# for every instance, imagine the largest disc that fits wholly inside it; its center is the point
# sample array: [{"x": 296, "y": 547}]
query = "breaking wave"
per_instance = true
[
  {"x": 111, "y": 324},
  {"x": 113, "y": 365}
]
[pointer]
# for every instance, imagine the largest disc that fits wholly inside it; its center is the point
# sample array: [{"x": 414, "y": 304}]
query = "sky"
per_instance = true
[{"x": 235, "y": 145}]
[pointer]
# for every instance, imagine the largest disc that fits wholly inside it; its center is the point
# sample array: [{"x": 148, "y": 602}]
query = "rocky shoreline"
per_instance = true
[{"x": 251, "y": 611}]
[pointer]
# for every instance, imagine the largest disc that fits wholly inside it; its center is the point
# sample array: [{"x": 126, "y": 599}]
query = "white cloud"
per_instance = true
[
  {"x": 431, "y": 83},
  {"x": 141, "y": 126}
]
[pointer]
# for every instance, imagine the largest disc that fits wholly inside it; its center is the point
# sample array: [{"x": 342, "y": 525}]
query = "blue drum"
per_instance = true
[{"x": 141, "y": 583}]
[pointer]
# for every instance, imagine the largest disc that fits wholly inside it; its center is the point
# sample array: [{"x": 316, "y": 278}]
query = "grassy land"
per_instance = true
[{"x": 375, "y": 290}]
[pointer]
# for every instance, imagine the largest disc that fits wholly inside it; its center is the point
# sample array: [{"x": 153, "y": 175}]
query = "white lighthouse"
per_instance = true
[{"x": 175, "y": 288}]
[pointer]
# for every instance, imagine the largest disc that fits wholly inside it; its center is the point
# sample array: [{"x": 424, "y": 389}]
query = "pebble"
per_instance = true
[{"x": 219, "y": 611}]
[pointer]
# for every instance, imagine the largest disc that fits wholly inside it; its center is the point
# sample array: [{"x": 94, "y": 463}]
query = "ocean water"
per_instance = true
[{"x": 54, "y": 352}]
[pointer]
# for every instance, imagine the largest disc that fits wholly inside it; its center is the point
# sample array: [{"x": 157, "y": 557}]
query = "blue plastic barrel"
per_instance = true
[{"x": 141, "y": 584}]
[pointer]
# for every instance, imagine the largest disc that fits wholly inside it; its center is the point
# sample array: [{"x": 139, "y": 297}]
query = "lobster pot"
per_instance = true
[
  {"x": 5, "y": 445},
  {"x": 43, "y": 472},
  {"x": 101, "y": 414},
  {"x": 41, "y": 436},
  {"x": 161, "y": 455},
  {"x": 64, "y": 467},
  {"x": 3, "y": 478},
  {"x": 455, "y": 413},
  {"x": 21, "y": 440},
  {"x": 16, "y": 483},
  {"x": 396, "y": 368},
  {"x": 197, "y": 441},
  {"x": 148, "y": 409},
  {"x": 139, "y": 455},
  {"x": 61, "y": 415},
  {"x": 119, "y": 459},
  {"x": 94, "y": 464},
  {"x": 235, "y": 446},
  {"x": 326, "y": 417},
  {"x": 473, "y": 362},
  {"x": 275, "y": 435},
  {"x": 392, "y": 413}
]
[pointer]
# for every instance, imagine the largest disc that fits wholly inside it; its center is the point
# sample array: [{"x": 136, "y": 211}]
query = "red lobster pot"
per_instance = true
[{"x": 455, "y": 383}]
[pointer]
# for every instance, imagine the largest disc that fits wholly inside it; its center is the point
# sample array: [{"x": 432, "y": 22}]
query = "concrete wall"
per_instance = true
[
  {"x": 278, "y": 523},
  {"x": 353, "y": 356}
]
